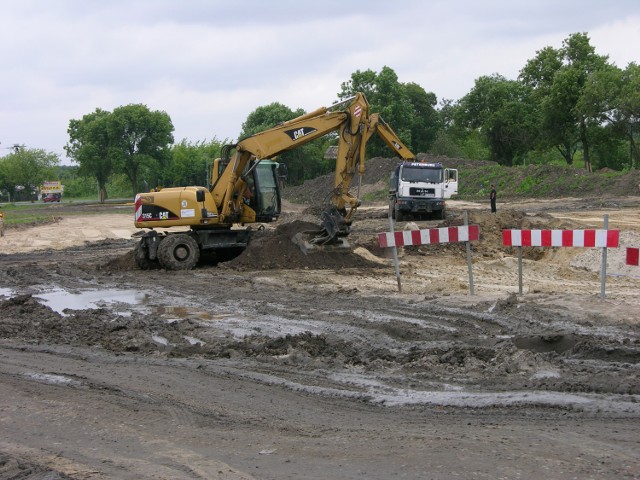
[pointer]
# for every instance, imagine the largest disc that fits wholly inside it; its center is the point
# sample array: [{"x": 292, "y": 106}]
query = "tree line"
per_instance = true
[{"x": 568, "y": 105}]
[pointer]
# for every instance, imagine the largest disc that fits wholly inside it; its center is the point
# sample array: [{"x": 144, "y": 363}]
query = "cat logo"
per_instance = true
[{"x": 299, "y": 133}]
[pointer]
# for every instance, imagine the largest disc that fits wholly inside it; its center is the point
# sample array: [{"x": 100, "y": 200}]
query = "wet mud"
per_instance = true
[{"x": 329, "y": 330}]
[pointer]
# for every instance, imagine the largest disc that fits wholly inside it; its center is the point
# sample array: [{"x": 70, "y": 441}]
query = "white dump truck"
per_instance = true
[{"x": 418, "y": 189}]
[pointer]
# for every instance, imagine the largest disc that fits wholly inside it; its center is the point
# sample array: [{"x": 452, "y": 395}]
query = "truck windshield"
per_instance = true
[{"x": 421, "y": 174}]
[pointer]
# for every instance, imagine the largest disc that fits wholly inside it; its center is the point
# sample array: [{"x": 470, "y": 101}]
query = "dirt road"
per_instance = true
[{"x": 277, "y": 365}]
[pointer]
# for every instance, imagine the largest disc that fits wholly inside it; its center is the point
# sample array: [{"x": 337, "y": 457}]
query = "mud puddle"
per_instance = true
[{"x": 60, "y": 300}]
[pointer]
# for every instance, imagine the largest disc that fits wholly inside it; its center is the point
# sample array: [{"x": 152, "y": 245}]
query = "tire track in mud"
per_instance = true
[
  {"x": 395, "y": 343},
  {"x": 492, "y": 347}
]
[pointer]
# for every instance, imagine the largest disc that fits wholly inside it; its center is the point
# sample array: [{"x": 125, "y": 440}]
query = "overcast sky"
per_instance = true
[{"x": 209, "y": 63}]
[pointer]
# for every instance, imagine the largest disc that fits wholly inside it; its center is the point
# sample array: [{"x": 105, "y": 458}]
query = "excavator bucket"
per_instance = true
[{"x": 330, "y": 236}]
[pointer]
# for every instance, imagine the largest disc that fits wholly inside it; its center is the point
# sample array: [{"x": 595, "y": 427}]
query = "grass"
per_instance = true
[
  {"x": 16, "y": 215},
  {"x": 537, "y": 181}
]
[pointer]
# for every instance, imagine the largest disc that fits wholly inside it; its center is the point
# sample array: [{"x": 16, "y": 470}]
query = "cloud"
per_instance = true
[{"x": 209, "y": 63}]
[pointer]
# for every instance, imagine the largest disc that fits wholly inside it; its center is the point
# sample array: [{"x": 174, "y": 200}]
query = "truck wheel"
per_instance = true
[
  {"x": 178, "y": 252},
  {"x": 399, "y": 216},
  {"x": 142, "y": 259}
]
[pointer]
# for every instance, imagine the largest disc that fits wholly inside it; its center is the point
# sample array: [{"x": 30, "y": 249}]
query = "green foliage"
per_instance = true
[
  {"x": 267, "y": 116},
  {"x": 426, "y": 121},
  {"x": 445, "y": 145},
  {"x": 408, "y": 108},
  {"x": 610, "y": 151},
  {"x": 570, "y": 113},
  {"x": 140, "y": 140},
  {"x": 188, "y": 164},
  {"x": 302, "y": 163},
  {"x": 90, "y": 146},
  {"x": 528, "y": 186},
  {"x": 23, "y": 171},
  {"x": 474, "y": 146},
  {"x": 541, "y": 181},
  {"x": 131, "y": 140},
  {"x": 38, "y": 212},
  {"x": 16, "y": 216},
  {"x": 504, "y": 113}
]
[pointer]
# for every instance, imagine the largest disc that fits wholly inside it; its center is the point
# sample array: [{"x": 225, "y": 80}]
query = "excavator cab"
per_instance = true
[
  {"x": 265, "y": 191},
  {"x": 261, "y": 188}
]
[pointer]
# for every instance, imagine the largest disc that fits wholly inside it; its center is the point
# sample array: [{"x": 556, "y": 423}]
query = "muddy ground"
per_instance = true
[{"x": 279, "y": 365}]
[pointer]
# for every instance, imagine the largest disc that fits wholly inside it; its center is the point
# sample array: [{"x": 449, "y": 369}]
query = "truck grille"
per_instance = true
[{"x": 422, "y": 192}]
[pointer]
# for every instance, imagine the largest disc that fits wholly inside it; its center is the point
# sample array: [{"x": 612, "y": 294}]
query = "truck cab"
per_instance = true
[{"x": 418, "y": 189}]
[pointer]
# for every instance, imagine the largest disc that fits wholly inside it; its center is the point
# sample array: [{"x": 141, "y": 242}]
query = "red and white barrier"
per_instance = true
[
  {"x": 561, "y": 238},
  {"x": 406, "y": 238},
  {"x": 633, "y": 256}
]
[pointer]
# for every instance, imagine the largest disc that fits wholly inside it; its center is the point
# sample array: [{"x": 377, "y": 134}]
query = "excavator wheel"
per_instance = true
[{"x": 178, "y": 252}]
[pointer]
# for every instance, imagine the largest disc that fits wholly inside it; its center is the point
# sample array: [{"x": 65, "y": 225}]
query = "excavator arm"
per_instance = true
[
  {"x": 346, "y": 162},
  {"x": 355, "y": 126},
  {"x": 350, "y": 122},
  {"x": 382, "y": 128}
]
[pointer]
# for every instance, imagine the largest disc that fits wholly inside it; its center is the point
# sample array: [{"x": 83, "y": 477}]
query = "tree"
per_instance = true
[
  {"x": 582, "y": 63},
  {"x": 364, "y": 82},
  {"x": 391, "y": 99},
  {"x": 504, "y": 113},
  {"x": 139, "y": 138},
  {"x": 267, "y": 116},
  {"x": 90, "y": 146},
  {"x": 26, "y": 169},
  {"x": 628, "y": 110},
  {"x": 559, "y": 77},
  {"x": 302, "y": 163},
  {"x": 426, "y": 120},
  {"x": 612, "y": 95},
  {"x": 189, "y": 163},
  {"x": 123, "y": 141}
]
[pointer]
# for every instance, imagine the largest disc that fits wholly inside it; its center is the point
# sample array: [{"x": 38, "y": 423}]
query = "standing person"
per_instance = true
[{"x": 492, "y": 197}]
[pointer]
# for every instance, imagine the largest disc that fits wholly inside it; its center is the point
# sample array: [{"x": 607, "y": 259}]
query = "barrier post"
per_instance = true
[
  {"x": 395, "y": 253},
  {"x": 469, "y": 263},
  {"x": 520, "y": 270},
  {"x": 603, "y": 270}
]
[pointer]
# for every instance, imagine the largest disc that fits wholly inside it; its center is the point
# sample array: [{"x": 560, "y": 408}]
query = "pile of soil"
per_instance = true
[{"x": 274, "y": 249}]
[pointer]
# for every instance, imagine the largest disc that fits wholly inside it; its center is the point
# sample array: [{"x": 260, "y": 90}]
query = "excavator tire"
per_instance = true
[
  {"x": 142, "y": 258},
  {"x": 178, "y": 252}
]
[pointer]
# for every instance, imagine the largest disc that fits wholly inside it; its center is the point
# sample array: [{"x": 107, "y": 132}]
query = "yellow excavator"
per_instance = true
[{"x": 244, "y": 189}]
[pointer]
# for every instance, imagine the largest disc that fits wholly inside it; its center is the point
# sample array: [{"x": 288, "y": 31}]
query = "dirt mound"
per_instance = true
[
  {"x": 274, "y": 249},
  {"x": 492, "y": 225},
  {"x": 122, "y": 263}
]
